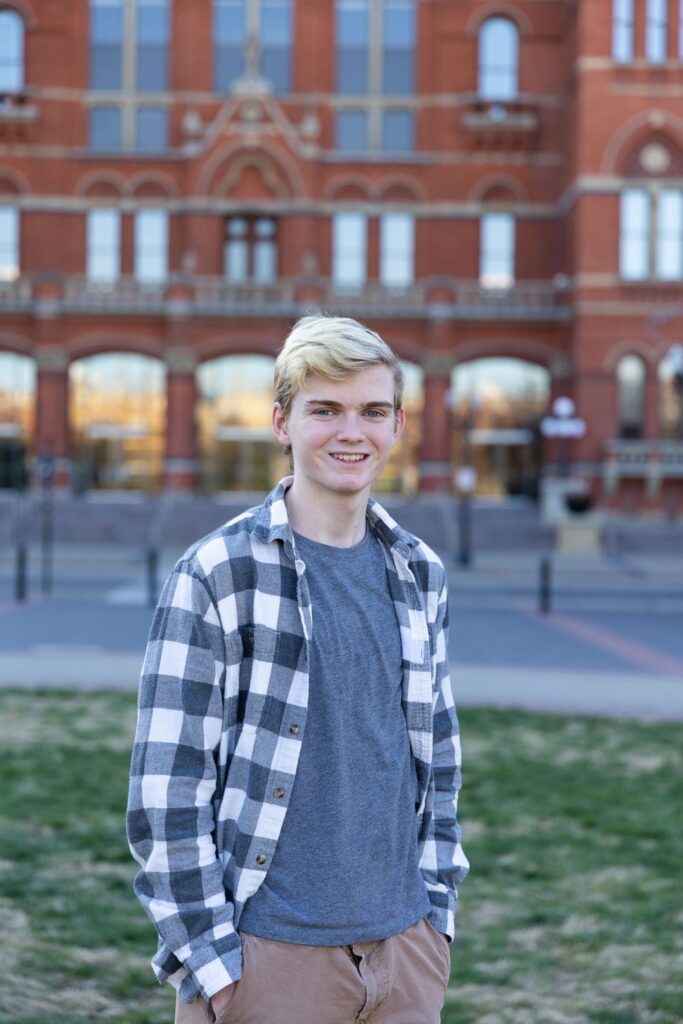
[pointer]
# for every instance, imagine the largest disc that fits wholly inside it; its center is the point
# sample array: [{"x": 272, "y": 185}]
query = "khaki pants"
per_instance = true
[{"x": 399, "y": 980}]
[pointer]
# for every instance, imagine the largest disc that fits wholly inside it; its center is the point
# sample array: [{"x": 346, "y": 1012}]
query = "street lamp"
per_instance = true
[{"x": 466, "y": 481}]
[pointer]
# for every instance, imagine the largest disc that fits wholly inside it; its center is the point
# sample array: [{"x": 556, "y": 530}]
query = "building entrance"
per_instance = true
[{"x": 497, "y": 405}]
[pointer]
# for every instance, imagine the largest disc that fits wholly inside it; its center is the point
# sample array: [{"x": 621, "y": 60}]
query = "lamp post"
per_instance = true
[{"x": 465, "y": 482}]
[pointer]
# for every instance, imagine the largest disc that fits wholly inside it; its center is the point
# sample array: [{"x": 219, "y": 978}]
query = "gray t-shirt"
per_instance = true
[{"x": 346, "y": 867}]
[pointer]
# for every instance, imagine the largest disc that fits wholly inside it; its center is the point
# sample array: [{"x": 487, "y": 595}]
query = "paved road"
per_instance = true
[{"x": 623, "y": 663}]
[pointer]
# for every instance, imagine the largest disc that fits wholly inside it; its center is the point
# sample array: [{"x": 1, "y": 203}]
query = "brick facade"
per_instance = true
[{"x": 556, "y": 157}]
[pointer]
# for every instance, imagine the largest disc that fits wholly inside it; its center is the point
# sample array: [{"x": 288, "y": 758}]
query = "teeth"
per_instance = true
[{"x": 349, "y": 458}]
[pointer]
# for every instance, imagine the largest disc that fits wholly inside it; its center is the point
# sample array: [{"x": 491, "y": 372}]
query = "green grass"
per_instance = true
[{"x": 572, "y": 913}]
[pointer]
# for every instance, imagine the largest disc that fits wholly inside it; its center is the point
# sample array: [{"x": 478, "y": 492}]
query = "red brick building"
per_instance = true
[{"x": 496, "y": 187}]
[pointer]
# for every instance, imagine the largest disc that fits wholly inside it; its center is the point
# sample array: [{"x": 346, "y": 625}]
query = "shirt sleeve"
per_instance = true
[
  {"x": 170, "y": 817},
  {"x": 443, "y": 862}
]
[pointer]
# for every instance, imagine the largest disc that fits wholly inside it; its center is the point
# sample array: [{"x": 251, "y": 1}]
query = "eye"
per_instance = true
[{"x": 376, "y": 413}]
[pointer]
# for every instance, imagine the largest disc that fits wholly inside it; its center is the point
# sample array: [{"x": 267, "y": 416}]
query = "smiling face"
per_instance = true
[{"x": 341, "y": 432}]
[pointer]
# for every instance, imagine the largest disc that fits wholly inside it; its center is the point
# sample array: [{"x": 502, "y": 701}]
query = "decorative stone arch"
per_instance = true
[
  {"x": 637, "y": 347},
  {"x": 23, "y": 9},
  {"x": 279, "y": 175},
  {"x": 656, "y": 127},
  {"x": 499, "y": 189},
  {"x": 151, "y": 185},
  {"x": 16, "y": 344},
  {"x": 498, "y": 10},
  {"x": 221, "y": 345},
  {"x": 13, "y": 183},
  {"x": 104, "y": 343},
  {"x": 399, "y": 189},
  {"x": 349, "y": 187},
  {"x": 506, "y": 348},
  {"x": 101, "y": 185}
]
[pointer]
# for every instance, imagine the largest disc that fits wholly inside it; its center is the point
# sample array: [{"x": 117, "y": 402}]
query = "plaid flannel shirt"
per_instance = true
[{"x": 221, "y": 718}]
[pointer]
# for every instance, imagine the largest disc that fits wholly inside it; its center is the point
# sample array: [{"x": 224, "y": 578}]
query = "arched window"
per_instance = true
[
  {"x": 11, "y": 52},
  {"x": 671, "y": 394},
  {"x": 17, "y": 417},
  {"x": 498, "y": 59},
  {"x": 630, "y": 396}
]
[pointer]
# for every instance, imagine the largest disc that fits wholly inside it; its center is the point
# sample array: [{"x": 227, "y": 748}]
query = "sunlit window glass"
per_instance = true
[
  {"x": 670, "y": 235},
  {"x": 498, "y": 59},
  {"x": 230, "y": 36},
  {"x": 106, "y": 44},
  {"x": 353, "y": 36},
  {"x": 397, "y": 131},
  {"x": 151, "y": 246},
  {"x": 117, "y": 411},
  {"x": 152, "y": 45},
  {"x": 622, "y": 30},
  {"x": 151, "y": 129},
  {"x": 497, "y": 250},
  {"x": 655, "y": 31},
  {"x": 103, "y": 245},
  {"x": 351, "y": 131},
  {"x": 276, "y": 43},
  {"x": 105, "y": 129},
  {"x": 631, "y": 395},
  {"x": 11, "y": 51},
  {"x": 396, "y": 249},
  {"x": 237, "y": 447},
  {"x": 9, "y": 243},
  {"x": 17, "y": 417},
  {"x": 265, "y": 251},
  {"x": 349, "y": 232},
  {"x": 634, "y": 234},
  {"x": 398, "y": 47}
]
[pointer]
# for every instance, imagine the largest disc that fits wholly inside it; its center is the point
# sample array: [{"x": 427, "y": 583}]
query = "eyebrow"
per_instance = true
[{"x": 337, "y": 405}]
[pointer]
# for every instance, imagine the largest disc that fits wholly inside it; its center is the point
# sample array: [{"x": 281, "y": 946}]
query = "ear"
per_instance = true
[
  {"x": 280, "y": 428},
  {"x": 399, "y": 424}
]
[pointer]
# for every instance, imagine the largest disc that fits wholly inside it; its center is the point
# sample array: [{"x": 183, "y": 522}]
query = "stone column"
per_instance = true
[
  {"x": 52, "y": 410},
  {"x": 182, "y": 464},
  {"x": 435, "y": 456}
]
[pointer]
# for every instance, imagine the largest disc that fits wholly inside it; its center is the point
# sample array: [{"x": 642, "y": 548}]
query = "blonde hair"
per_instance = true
[{"x": 332, "y": 347}]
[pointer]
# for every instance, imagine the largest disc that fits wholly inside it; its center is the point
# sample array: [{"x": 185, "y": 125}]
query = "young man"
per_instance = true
[{"x": 297, "y": 762}]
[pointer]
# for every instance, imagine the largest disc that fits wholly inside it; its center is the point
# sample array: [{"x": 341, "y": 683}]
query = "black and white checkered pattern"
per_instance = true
[{"x": 222, "y": 715}]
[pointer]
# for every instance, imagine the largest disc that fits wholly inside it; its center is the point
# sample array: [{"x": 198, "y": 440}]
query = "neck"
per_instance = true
[{"x": 334, "y": 519}]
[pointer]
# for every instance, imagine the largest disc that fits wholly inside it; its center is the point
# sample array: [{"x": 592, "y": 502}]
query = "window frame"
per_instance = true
[
  {"x": 113, "y": 245},
  {"x": 141, "y": 249},
  {"x": 656, "y": 31},
  {"x": 651, "y": 239},
  {"x": 17, "y": 84},
  {"x": 623, "y": 31},
  {"x": 253, "y": 36},
  {"x": 486, "y": 92},
  {"x": 11, "y": 269},
  {"x": 388, "y": 249},
  {"x": 342, "y": 282},
  {"x": 253, "y": 244},
  {"x": 491, "y": 276}
]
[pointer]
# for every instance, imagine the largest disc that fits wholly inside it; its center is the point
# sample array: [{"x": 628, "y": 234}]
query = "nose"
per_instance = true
[{"x": 350, "y": 427}]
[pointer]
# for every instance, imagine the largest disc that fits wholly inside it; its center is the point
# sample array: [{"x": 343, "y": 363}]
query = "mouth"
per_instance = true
[{"x": 349, "y": 459}]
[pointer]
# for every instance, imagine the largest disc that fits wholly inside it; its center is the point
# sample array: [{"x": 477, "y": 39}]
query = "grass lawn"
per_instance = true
[{"x": 572, "y": 913}]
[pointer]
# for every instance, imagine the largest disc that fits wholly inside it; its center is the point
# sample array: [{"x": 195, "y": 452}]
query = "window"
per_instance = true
[
  {"x": 655, "y": 31},
  {"x": 375, "y": 58},
  {"x": 103, "y": 261},
  {"x": 11, "y": 52},
  {"x": 670, "y": 374},
  {"x": 349, "y": 246},
  {"x": 238, "y": 24},
  {"x": 669, "y": 254},
  {"x": 106, "y": 44},
  {"x": 498, "y": 59},
  {"x": 352, "y": 131},
  {"x": 105, "y": 129},
  {"x": 396, "y": 249},
  {"x": 397, "y": 131},
  {"x": 151, "y": 246},
  {"x": 9, "y": 243},
  {"x": 129, "y": 49},
  {"x": 151, "y": 129},
  {"x": 250, "y": 250},
  {"x": 497, "y": 250},
  {"x": 631, "y": 396},
  {"x": 622, "y": 30},
  {"x": 651, "y": 234}
]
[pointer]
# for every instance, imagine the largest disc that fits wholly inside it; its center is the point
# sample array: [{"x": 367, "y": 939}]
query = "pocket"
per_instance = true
[{"x": 439, "y": 940}]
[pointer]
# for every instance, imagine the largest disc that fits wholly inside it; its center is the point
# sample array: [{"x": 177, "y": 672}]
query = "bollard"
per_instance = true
[
  {"x": 544, "y": 586},
  {"x": 152, "y": 572},
  {"x": 20, "y": 580}
]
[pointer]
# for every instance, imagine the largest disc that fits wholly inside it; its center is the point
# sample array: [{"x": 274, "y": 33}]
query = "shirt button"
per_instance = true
[
  {"x": 278, "y": 793},
  {"x": 260, "y": 858},
  {"x": 294, "y": 729}
]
